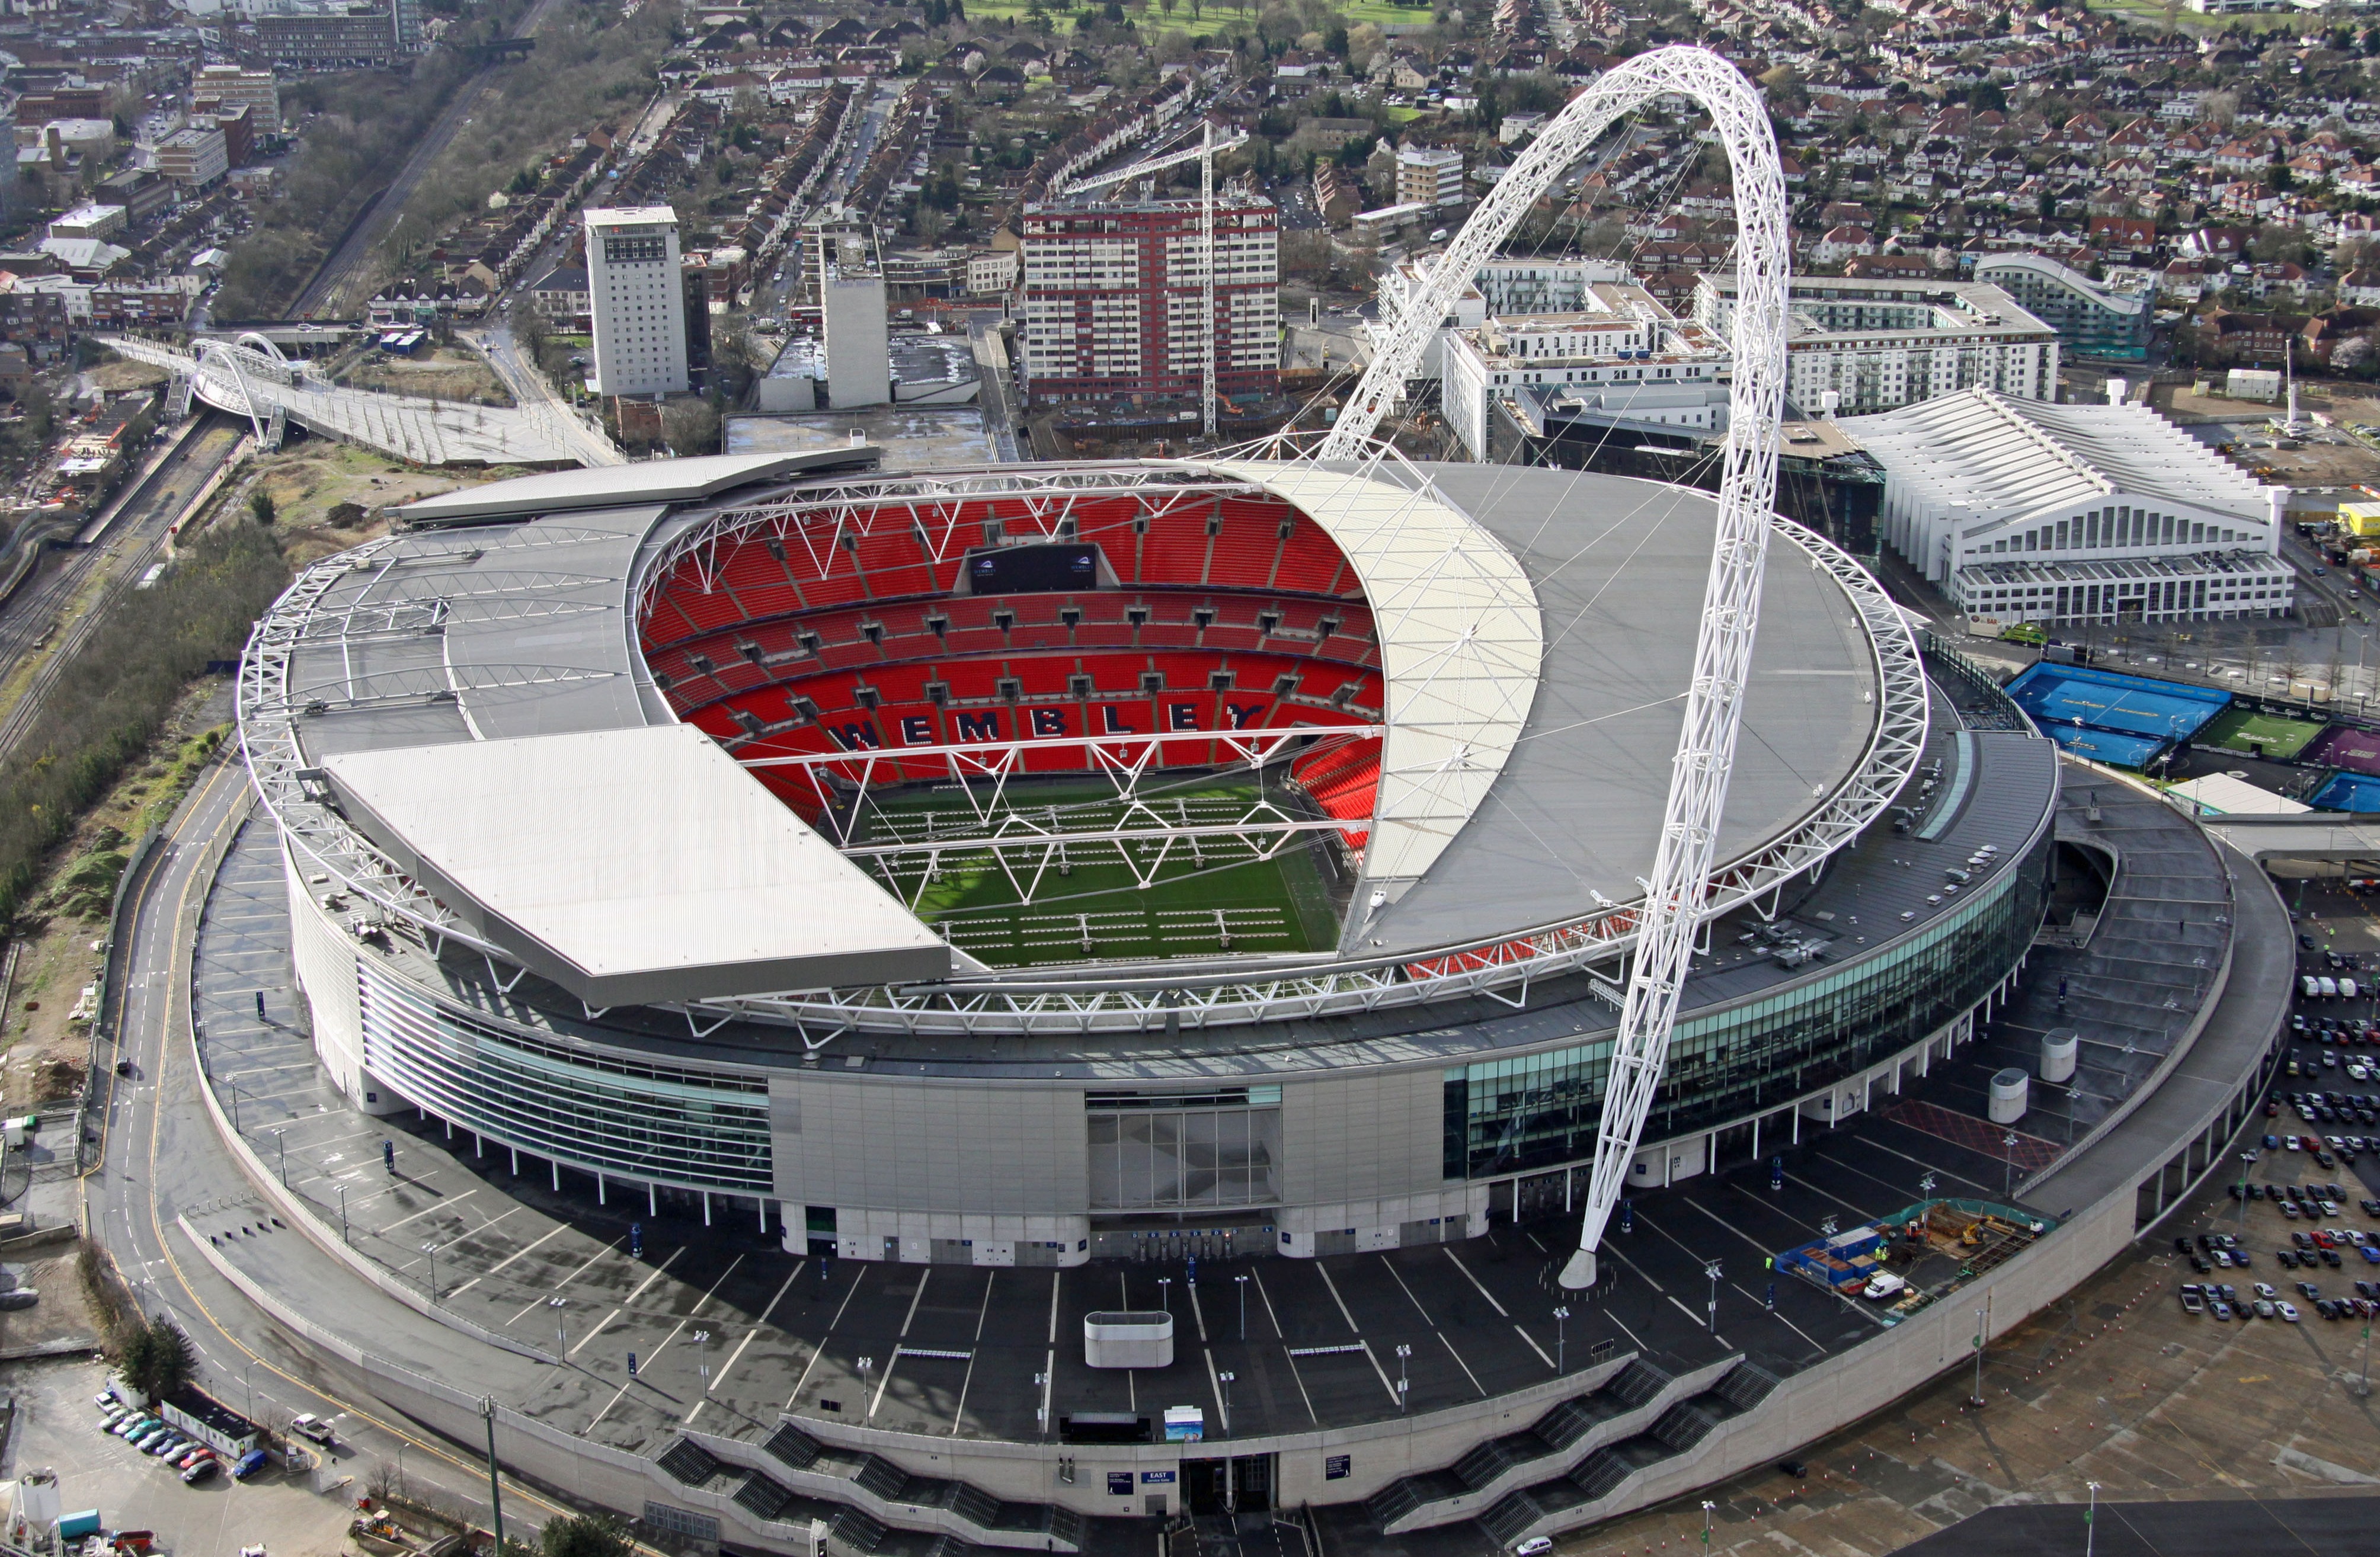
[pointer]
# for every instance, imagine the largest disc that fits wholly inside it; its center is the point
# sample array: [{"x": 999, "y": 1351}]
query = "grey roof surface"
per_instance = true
[
  {"x": 1619, "y": 567},
  {"x": 612, "y": 486}
]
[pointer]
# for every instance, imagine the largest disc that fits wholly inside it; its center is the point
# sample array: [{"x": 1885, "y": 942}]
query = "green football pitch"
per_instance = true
[
  {"x": 2245, "y": 731},
  {"x": 1086, "y": 901}
]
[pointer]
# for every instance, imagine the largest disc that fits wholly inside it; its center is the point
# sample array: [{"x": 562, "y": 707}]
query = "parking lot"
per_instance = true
[{"x": 58, "y": 1426}]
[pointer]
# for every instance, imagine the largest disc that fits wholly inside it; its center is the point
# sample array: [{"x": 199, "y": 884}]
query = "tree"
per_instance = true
[
  {"x": 691, "y": 426},
  {"x": 259, "y": 503},
  {"x": 585, "y": 1535},
  {"x": 156, "y": 1358}
]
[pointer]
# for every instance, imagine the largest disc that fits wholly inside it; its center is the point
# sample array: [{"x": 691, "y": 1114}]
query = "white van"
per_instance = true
[
  {"x": 2328, "y": 985},
  {"x": 2347, "y": 989},
  {"x": 2311, "y": 988}
]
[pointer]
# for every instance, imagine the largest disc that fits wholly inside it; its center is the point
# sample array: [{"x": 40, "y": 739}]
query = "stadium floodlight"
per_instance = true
[{"x": 1680, "y": 881}]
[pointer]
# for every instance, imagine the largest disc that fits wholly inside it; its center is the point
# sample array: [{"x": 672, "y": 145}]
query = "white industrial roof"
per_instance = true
[
  {"x": 1461, "y": 640},
  {"x": 1990, "y": 455},
  {"x": 2219, "y": 794},
  {"x": 725, "y": 891}
]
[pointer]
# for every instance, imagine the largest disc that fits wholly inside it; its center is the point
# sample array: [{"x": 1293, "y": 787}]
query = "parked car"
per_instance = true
[
  {"x": 313, "y": 1426},
  {"x": 2286, "y": 1310},
  {"x": 2191, "y": 1303},
  {"x": 249, "y": 1464},
  {"x": 202, "y": 1469}
]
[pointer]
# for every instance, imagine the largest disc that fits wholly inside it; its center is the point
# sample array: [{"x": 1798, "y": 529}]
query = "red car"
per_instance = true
[{"x": 2272, "y": 1110}]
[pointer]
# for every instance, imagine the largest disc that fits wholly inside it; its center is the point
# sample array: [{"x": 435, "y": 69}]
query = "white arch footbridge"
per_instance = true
[{"x": 250, "y": 377}]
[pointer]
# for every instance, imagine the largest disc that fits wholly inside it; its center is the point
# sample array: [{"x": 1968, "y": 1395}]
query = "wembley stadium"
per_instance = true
[
  {"x": 1011, "y": 866},
  {"x": 1557, "y": 939}
]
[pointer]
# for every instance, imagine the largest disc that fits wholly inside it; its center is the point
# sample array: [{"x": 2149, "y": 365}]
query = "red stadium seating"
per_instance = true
[{"x": 822, "y": 638}]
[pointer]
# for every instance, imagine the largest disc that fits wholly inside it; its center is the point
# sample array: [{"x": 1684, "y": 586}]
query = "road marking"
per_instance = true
[
  {"x": 914, "y": 1298},
  {"x": 1687, "y": 1311},
  {"x": 1386, "y": 1383},
  {"x": 596, "y": 1330},
  {"x": 418, "y": 1215},
  {"x": 1278, "y": 1332},
  {"x": 724, "y": 1369},
  {"x": 820, "y": 1350},
  {"x": 1474, "y": 1281},
  {"x": 1324, "y": 1271},
  {"x": 1465, "y": 1366},
  {"x": 656, "y": 1275},
  {"x": 959, "y": 1410},
  {"x": 781, "y": 1292},
  {"x": 559, "y": 1228},
  {"x": 1533, "y": 1347},
  {"x": 1214, "y": 1382}
]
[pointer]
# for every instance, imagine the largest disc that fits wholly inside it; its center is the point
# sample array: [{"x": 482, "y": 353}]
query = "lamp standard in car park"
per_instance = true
[
  {"x": 2091, "y": 1518},
  {"x": 1978, "y": 1402},
  {"x": 2247, "y": 1160}
]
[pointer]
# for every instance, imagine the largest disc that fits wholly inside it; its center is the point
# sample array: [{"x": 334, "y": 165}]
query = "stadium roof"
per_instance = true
[
  {"x": 616, "y": 485},
  {"x": 725, "y": 891},
  {"x": 1460, "y": 645},
  {"x": 1988, "y": 454}
]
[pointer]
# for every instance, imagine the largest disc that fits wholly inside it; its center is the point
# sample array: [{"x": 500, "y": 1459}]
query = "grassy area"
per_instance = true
[
  {"x": 327, "y": 495},
  {"x": 450, "y": 373},
  {"x": 1090, "y": 903},
  {"x": 2254, "y": 734}
]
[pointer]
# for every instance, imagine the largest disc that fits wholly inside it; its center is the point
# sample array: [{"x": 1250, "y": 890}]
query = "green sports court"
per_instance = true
[
  {"x": 2251, "y": 733},
  {"x": 1174, "y": 898}
]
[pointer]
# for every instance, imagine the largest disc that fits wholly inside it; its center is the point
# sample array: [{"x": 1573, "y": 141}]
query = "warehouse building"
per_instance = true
[{"x": 2031, "y": 512}]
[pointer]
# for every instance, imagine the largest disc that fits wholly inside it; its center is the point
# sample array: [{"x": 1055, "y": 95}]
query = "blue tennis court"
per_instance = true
[
  {"x": 2348, "y": 792},
  {"x": 2071, "y": 695},
  {"x": 2101, "y": 745}
]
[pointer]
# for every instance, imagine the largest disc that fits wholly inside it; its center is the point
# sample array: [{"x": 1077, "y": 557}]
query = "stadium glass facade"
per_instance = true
[
  {"x": 704, "y": 1129},
  {"x": 1541, "y": 1110}
]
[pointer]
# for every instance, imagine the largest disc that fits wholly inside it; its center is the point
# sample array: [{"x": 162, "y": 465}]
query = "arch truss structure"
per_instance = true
[
  {"x": 1679, "y": 893},
  {"x": 250, "y": 377}
]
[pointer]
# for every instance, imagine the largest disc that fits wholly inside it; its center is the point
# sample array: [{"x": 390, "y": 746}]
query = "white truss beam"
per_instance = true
[{"x": 1678, "y": 895}]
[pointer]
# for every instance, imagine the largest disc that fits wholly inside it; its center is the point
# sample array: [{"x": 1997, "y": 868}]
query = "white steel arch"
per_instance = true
[{"x": 1679, "y": 887}]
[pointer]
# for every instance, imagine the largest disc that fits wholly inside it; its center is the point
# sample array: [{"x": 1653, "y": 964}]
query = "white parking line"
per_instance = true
[
  {"x": 1324, "y": 1271},
  {"x": 568, "y": 1279},
  {"x": 443, "y": 1205},
  {"x": 1474, "y": 1281},
  {"x": 508, "y": 1258}
]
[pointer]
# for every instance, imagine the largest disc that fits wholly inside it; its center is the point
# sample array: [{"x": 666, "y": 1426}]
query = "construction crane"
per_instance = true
[{"x": 1204, "y": 154}]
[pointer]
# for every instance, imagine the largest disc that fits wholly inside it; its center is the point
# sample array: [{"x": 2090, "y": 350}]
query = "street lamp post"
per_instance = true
[
  {"x": 2007, "y": 1167},
  {"x": 702, "y": 1358},
  {"x": 1711, "y": 1270},
  {"x": 2247, "y": 1160},
  {"x": 431, "y": 1250},
  {"x": 1403, "y": 1352},
  {"x": 1241, "y": 1283},
  {"x": 2090, "y": 1519},
  {"x": 1709, "y": 1506},
  {"x": 1561, "y": 1339},
  {"x": 283, "y": 1147},
  {"x": 1165, "y": 1292},
  {"x": 561, "y": 1342},
  {"x": 343, "y": 1213},
  {"x": 866, "y": 1365},
  {"x": 1978, "y": 1402}
]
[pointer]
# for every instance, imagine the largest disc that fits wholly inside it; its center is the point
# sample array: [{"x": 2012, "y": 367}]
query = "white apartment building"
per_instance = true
[
  {"x": 1627, "y": 357},
  {"x": 193, "y": 157},
  {"x": 1428, "y": 177},
  {"x": 1502, "y": 286},
  {"x": 638, "y": 301},
  {"x": 1858, "y": 346},
  {"x": 2026, "y": 511}
]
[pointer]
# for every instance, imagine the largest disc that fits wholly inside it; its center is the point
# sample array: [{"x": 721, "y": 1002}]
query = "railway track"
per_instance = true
[{"x": 29, "y": 615}]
